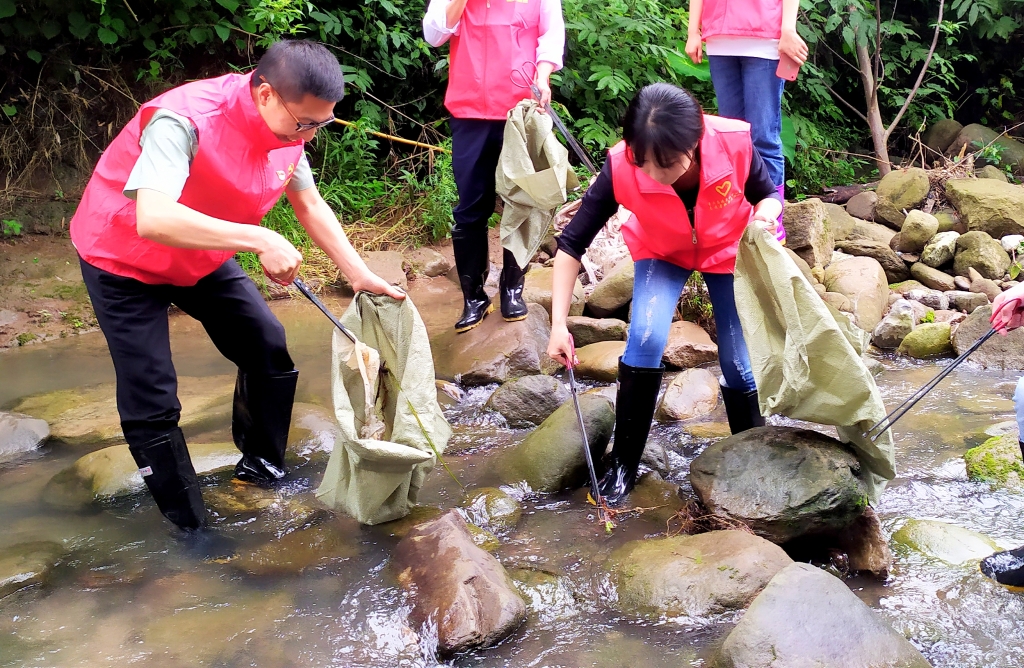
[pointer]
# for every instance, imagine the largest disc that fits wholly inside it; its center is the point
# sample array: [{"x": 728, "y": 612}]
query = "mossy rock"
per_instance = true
[
  {"x": 996, "y": 461},
  {"x": 490, "y": 507},
  {"x": 928, "y": 340},
  {"x": 944, "y": 541},
  {"x": 483, "y": 538}
]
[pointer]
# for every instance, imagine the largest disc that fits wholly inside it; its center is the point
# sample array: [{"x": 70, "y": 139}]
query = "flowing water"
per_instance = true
[{"x": 128, "y": 592}]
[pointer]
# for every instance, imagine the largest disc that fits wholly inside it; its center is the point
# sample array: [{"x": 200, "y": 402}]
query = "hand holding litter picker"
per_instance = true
[
  {"x": 1008, "y": 310},
  {"x": 595, "y": 491}
]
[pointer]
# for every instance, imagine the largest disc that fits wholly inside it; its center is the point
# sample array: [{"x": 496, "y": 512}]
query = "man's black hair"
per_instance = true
[
  {"x": 296, "y": 68},
  {"x": 663, "y": 122}
]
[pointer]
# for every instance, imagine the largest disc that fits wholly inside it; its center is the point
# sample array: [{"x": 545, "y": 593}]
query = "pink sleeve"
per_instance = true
[{"x": 551, "y": 44}]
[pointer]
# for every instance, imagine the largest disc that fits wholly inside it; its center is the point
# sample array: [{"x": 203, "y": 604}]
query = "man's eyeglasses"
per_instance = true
[{"x": 299, "y": 125}]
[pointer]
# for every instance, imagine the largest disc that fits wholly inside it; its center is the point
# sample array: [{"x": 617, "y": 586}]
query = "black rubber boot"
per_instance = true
[
  {"x": 635, "y": 400},
  {"x": 472, "y": 264},
  {"x": 259, "y": 424},
  {"x": 510, "y": 287},
  {"x": 167, "y": 470},
  {"x": 1006, "y": 568},
  {"x": 741, "y": 408},
  {"x": 1021, "y": 444}
]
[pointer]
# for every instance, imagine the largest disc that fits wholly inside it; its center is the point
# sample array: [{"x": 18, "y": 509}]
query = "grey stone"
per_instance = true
[
  {"x": 941, "y": 134},
  {"x": 981, "y": 252},
  {"x": 894, "y": 327},
  {"x": 933, "y": 299},
  {"x": 979, "y": 283},
  {"x": 862, "y": 205},
  {"x": 1011, "y": 242},
  {"x": 872, "y": 231},
  {"x": 692, "y": 393},
  {"x": 895, "y": 268},
  {"x": 20, "y": 434},
  {"x": 987, "y": 205},
  {"x": 918, "y": 229},
  {"x": 839, "y": 221},
  {"x": 808, "y": 232},
  {"x": 962, "y": 283},
  {"x": 586, "y": 330},
  {"x": 966, "y": 301},
  {"x": 946, "y": 542},
  {"x": 614, "y": 291},
  {"x": 940, "y": 250},
  {"x": 975, "y": 136},
  {"x": 528, "y": 401},
  {"x": 992, "y": 172}
]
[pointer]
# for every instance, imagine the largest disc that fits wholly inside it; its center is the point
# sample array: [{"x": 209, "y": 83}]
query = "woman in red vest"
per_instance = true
[
  {"x": 490, "y": 39},
  {"x": 693, "y": 183},
  {"x": 179, "y": 191}
]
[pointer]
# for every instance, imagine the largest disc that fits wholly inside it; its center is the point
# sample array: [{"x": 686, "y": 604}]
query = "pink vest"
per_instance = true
[
  {"x": 239, "y": 172},
  {"x": 495, "y": 37},
  {"x": 660, "y": 227},
  {"x": 741, "y": 18}
]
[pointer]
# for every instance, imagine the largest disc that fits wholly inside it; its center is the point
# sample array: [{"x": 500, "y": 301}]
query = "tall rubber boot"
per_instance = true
[
  {"x": 259, "y": 424},
  {"x": 1006, "y": 568},
  {"x": 780, "y": 235},
  {"x": 472, "y": 264},
  {"x": 167, "y": 470},
  {"x": 741, "y": 408},
  {"x": 510, "y": 287},
  {"x": 635, "y": 401}
]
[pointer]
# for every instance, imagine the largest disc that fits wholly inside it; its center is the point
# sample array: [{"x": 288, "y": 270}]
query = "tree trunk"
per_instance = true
[{"x": 874, "y": 114}]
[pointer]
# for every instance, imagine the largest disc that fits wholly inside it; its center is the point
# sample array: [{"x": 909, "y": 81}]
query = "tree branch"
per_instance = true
[
  {"x": 920, "y": 76},
  {"x": 848, "y": 105}
]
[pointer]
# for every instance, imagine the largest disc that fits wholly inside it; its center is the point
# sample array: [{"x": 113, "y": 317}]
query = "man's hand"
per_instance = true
[
  {"x": 793, "y": 46},
  {"x": 371, "y": 282},
  {"x": 1008, "y": 310},
  {"x": 279, "y": 258}
]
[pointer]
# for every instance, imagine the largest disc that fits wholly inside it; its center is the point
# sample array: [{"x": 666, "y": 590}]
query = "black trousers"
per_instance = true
[
  {"x": 133, "y": 318},
  {"x": 476, "y": 146}
]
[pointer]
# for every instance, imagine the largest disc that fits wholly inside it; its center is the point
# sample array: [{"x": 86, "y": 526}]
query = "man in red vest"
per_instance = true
[{"x": 179, "y": 191}]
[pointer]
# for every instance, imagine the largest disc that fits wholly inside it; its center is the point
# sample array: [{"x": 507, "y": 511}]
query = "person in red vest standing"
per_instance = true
[
  {"x": 179, "y": 191},
  {"x": 693, "y": 183},
  {"x": 490, "y": 39}
]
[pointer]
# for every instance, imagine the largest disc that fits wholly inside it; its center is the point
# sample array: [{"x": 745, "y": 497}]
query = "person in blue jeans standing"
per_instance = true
[{"x": 744, "y": 41}]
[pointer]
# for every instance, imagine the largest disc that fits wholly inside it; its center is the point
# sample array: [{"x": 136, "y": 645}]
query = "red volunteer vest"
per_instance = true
[
  {"x": 660, "y": 227},
  {"x": 495, "y": 37},
  {"x": 239, "y": 172},
  {"x": 741, "y": 18}
]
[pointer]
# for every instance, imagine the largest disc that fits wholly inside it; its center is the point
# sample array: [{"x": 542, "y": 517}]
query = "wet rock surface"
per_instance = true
[
  {"x": 20, "y": 435},
  {"x": 944, "y": 541},
  {"x": 600, "y": 361},
  {"x": 528, "y": 401},
  {"x": 996, "y": 461},
  {"x": 492, "y": 508},
  {"x": 27, "y": 564},
  {"x": 692, "y": 393}
]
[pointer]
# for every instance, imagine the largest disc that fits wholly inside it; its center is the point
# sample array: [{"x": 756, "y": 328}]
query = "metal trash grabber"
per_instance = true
[
  {"x": 889, "y": 420},
  {"x": 595, "y": 490},
  {"x": 304, "y": 289}
]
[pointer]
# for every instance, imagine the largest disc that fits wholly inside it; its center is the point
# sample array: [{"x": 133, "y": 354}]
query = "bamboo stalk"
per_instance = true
[{"x": 393, "y": 137}]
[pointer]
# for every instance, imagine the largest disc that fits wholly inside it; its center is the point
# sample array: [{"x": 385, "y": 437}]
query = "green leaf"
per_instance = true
[
  {"x": 106, "y": 35},
  {"x": 50, "y": 29},
  {"x": 223, "y": 31},
  {"x": 788, "y": 136},
  {"x": 682, "y": 65},
  {"x": 199, "y": 35},
  {"x": 230, "y": 5},
  {"x": 9, "y": 110},
  {"x": 34, "y": 56},
  {"x": 78, "y": 25},
  {"x": 7, "y": 8},
  {"x": 1014, "y": 271}
]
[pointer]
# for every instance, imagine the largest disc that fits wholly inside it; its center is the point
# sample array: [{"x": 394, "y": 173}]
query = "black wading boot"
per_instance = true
[
  {"x": 741, "y": 408},
  {"x": 167, "y": 470},
  {"x": 1006, "y": 568},
  {"x": 635, "y": 401},
  {"x": 510, "y": 287},
  {"x": 472, "y": 264},
  {"x": 259, "y": 424}
]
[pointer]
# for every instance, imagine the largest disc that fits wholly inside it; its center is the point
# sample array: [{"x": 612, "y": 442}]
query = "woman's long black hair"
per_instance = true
[{"x": 662, "y": 123}]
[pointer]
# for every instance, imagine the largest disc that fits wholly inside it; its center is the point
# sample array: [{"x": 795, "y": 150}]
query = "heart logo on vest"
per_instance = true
[{"x": 724, "y": 188}]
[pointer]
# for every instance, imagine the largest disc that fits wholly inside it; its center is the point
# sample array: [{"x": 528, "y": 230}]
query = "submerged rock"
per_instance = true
[
  {"x": 696, "y": 575},
  {"x": 944, "y": 541},
  {"x": 483, "y": 538},
  {"x": 27, "y": 564},
  {"x": 656, "y": 494},
  {"x": 806, "y": 617},
  {"x": 528, "y": 401},
  {"x": 305, "y": 548},
  {"x": 997, "y": 461},
  {"x": 457, "y": 585},
  {"x": 20, "y": 434},
  {"x": 491, "y": 508},
  {"x": 548, "y": 595},
  {"x": 693, "y": 393},
  {"x": 782, "y": 482},
  {"x": 551, "y": 458},
  {"x": 88, "y": 415}
]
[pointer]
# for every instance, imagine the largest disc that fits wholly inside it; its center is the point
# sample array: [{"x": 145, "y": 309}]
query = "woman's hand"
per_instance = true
[
  {"x": 1008, "y": 310},
  {"x": 543, "y": 82},
  {"x": 695, "y": 47},
  {"x": 792, "y": 45},
  {"x": 561, "y": 347},
  {"x": 766, "y": 223}
]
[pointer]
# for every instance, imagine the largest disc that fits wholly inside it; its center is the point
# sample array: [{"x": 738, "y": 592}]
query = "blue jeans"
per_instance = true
[
  {"x": 747, "y": 89},
  {"x": 1018, "y": 404},
  {"x": 656, "y": 289}
]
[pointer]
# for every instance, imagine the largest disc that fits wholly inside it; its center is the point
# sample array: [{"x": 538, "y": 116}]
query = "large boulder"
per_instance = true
[
  {"x": 693, "y": 393},
  {"x": 27, "y": 564},
  {"x": 88, "y": 415},
  {"x": 893, "y": 265},
  {"x": 495, "y": 351},
  {"x": 688, "y": 346},
  {"x": 528, "y": 401},
  {"x": 491, "y": 508},
  {"x": 901, "y": 190},
  {"x": 862, "y": 205},
  {"x": 613, "y": 292},
  {"x": 600, "y": 361},
  {"x": 863, "y": 280},
  {"x": 895, "y": 326},
  {"x": 976, "y": 136},
  {"x": 979, "y": 251},
  {"x": 782, "y": 482},
  {"x": 946, "y": 542},
  {"x": 928, "y": 340},
  {"x": 20, "y": 434},
  {"x": 932, "y": 278},
  {"x": 551, "y": 458},
  {"x": 872, "y": 231},
  {"x": 839, "y": 221},
  {"x": 537, "y": 289},
  {"x": 996, "y": 461},
  {"x": 808, "y": 232},
  {"x": 918, "y": 229},
  {"x": 112, "y": 472},
  {"x": 941, "y": 134},
  {"x": 940, "y": 249},
  {"x": 806, "y": 617},
  {"x": 988, "y": 205},
  {"x": 694, "y": 576},
  {"x": 586, "y": 330},
  {"x": 456, "y": 585}
]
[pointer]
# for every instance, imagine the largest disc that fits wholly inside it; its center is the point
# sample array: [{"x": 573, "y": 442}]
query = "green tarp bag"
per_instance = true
[
  {"x": 385, "y": 401},
  {"x": 806, "y": 356},
  {"x": 532, "y": 178}
]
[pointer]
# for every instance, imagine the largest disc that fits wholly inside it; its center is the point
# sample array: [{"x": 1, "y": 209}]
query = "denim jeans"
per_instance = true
[
  {"x": 747, "y": 89},
  {"x": 1018, "y": 404},
  {"x": 656, "y": 289}
]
